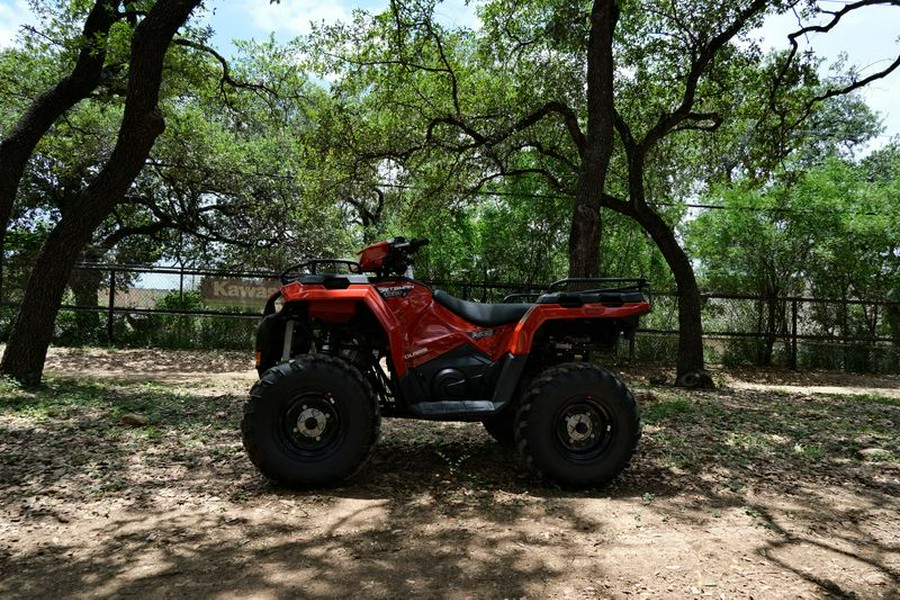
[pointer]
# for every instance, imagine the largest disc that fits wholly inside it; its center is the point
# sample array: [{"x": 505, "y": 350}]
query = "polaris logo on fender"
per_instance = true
[
  {"x": 399, "y": 291},
  {"x": 415, "y": 353}
]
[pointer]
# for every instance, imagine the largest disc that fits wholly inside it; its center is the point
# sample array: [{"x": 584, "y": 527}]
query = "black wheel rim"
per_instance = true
[
  {"x": 584, "y": 429},
  {"x": 312, "y": 427}
]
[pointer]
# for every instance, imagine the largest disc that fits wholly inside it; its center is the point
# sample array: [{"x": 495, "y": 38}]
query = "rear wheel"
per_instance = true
[
  {"x": 577, "y": 425},
  {"x": 310, "y": 421}
]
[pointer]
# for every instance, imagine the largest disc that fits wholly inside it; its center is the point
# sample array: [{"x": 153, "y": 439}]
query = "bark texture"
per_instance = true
[{"x": 584, "y": 235}]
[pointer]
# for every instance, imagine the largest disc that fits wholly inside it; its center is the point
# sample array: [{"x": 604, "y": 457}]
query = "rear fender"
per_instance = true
[{"x": 522, "y": 338}]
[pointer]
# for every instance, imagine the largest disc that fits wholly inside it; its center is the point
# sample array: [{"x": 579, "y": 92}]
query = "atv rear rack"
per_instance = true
[
  {"x": 597, "y": 284},
  {"x": 575, "y": 291}
]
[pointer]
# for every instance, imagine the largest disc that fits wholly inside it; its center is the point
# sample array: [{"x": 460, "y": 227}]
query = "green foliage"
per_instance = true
[
  {"x": 655, "y": 349},
  {"x": 239, "y": 177},
  {"x": 442, "y": 109},
  {"x": 418, "y": 131},
  {"x": 829, "y": 232},
  {"x": 506, "y": 239},
  {"x": 21, "y": 247}
]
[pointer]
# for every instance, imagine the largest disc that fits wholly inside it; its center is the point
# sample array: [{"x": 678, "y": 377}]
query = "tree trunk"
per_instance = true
[
  {"x": 17, "y": 147},
  {"x": 690, "y": 366},
  {"x": 584, "y": 234},
  {"x": 33, "y": 326},
  {"x": 768, "y": 350},
  {"x": 142, "y": 123},
  {"x": 584, "y": 238},
  {"x": 892, "y": 312}
]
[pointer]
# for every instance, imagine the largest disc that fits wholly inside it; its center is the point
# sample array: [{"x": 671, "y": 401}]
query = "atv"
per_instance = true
[{"x": 344, "y": 343}]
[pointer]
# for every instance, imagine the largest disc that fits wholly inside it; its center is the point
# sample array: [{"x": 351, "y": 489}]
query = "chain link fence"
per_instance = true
[
  {"x": 195, "y": 308},
  {"x": 136, "y": 306}
]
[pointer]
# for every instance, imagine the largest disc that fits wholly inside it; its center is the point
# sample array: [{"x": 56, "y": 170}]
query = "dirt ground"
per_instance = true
[{"x": 773, "y": 486}]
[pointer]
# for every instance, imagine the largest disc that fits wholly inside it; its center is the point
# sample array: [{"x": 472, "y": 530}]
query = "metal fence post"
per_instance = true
[
  {"x": 110, "y": 336},
  {"x": 794, "y": 334},
  {"x": 180, "y": 321}
]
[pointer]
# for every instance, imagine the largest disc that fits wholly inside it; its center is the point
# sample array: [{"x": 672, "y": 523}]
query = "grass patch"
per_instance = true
[
  {"x": 667, "y": 409},
  {"x": 70, "y": 399},
  {"x": 75, "y": 417},
  {"x": 876, "y": 399},
  {"x": 761, "y": 431}
]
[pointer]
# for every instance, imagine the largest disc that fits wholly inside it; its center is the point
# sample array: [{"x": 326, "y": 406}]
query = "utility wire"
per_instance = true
[{"x": 775, "y": 209}]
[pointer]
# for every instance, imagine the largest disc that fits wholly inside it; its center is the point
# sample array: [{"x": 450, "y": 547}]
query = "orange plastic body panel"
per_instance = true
[
  {"x": 430, "y": 329},
  {"x": 320, "y": 299},
  {"x": 419, "y": 329},
  {"x": 523, "y": 336}
]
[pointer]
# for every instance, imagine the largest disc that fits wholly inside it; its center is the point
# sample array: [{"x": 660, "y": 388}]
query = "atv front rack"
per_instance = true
[{"x": 309, "y": 267}]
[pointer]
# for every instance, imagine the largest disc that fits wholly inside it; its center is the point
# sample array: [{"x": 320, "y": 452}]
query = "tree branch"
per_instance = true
[
  {"x": 836, "y": 18},
  {"x": 543, "y": 150},
  {"x": 699, "y": 64},
  {"x": 226, "y": 69},
  {"x": 831, "y": 92},
  {"x": 554, "y": 107},
  {"x": 109, "y": 242}
]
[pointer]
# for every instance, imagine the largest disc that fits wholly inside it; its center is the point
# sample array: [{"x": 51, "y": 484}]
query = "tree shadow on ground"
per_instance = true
[
  {"x": 820, "y": 473},
  {"x": 174, "y": 509},
  {"x": 211, "y": 557}
]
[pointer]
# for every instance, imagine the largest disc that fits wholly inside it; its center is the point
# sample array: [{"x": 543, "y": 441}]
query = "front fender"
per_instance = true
[{"x": 341, "y": 305}]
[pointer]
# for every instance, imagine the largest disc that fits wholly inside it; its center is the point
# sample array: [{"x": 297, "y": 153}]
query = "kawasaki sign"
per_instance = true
[{"x": 253, "y": 293}]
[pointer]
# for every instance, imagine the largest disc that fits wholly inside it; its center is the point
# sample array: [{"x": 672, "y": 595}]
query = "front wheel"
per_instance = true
[
  {"x": 310, "y": 421},
  {"x": 577, "y": 425},
  {"x": 502, "y": 428}
]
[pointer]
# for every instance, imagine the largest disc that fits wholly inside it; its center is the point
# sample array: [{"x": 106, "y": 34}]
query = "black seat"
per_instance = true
[{"x": 486, "y": 315}]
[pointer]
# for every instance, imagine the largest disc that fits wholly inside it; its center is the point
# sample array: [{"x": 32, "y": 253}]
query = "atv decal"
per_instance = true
[
  {"x": 480, "y": 334},
  {"x": 400, "y": 291},
  {"x": 415, "y": 353}
]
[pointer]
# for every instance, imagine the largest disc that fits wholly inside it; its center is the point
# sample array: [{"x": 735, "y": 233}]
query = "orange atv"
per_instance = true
[{"x": 344, "y": 343}]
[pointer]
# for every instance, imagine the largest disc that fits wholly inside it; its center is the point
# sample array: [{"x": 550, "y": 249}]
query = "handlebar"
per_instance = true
[{"x": 401, "y": 243}]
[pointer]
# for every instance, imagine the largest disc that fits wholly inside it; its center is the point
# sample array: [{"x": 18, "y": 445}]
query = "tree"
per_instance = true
[
  {"x": 828, "y": 230},
  {"x": 142, "y": 122},
  {"x": 754, "y": 245},
  {"x": 604, "y": 103},
  {"x": 239, "y": 177},
  {"x": 245, "y": 174}
]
